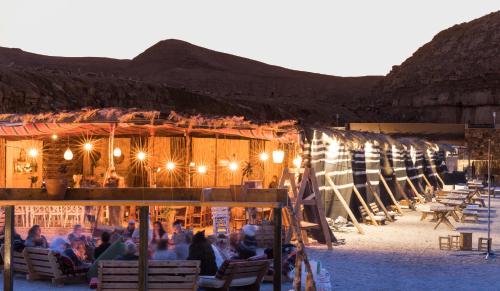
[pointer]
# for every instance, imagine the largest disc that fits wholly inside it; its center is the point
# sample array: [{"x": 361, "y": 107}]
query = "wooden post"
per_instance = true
[
  {"x": 440, "y": 179},
  {"x": 379, "y": 201},
  {"x": 8, "y": 260},
  {"x": 402, "y": 191},
  {"x": 427, "y": 181},
  {"x": 390, "y": 193},
  {"x": 344, "y": 203},
  {"x": 363, "y": 203},
  {"x": 277, "y": 249},
  {"x": 188, "y": 159},
  {"x": 415, "y": 190},
  {"x": 143, "y": 248}
]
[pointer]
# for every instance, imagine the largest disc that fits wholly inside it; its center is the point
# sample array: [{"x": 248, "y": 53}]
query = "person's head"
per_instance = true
[
  {"x": 75, "y": 244},
  {"x": 131, "y": 224},
  {"x": 157, "y": 226},
  {"x": 162, "y": 245},
  {"x": 35, "y": 231},
  {"x": 275, "y": 179},
  {"x": 59, "y": 244},
  {"x": 249, "y": 230},
  {"x": 199, "y": 237},
  {"x": 221, "y": 240},
  {"x": 177, "y": 225},
  {"x": 130, "y": 248},
  {"x": 77, "y": 229},
  {"x": 105, "y": 236}
]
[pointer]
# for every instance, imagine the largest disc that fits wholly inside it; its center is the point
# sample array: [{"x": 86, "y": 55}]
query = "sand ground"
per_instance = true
[{"x": 403, "y": 255}]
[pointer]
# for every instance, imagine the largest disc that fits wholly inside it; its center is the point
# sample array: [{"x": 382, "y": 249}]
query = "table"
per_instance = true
[{"x": 442, "y": 213}]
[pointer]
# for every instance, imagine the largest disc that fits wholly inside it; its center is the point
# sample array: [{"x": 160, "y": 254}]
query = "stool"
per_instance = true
[
  {"x": 444, "y": 243},
  {"x": 455, "y": 242},
  {"x": 482, "y": 244}
]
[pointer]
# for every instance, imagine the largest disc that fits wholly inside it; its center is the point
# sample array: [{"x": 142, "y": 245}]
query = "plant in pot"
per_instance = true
[
  {"x": 57, "y": 185},
  {"x": 241, "y": 189}
]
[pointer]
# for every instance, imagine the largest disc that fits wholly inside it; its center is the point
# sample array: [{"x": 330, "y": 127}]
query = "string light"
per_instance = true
[
  {"x": 297, "y": 162},
  {"x": 278, "y": 156},
  {"x": 33, "y": 152},
  {"x": 233, "y": 166},
  {"x": 54, "y": 137},
  {"x": 141, "y": 156},
  {"x": 202, "y": 169},
  {"x": 263, "y": 156},
  {"x": 170, "y": 166},
  {"x": 88, "y": 146},
  {"x": 68, "y": 155},
  {"x": 117, "y": 152}
]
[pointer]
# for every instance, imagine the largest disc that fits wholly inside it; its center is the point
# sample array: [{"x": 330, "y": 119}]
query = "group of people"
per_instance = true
[{"x": 121, "y": 244}]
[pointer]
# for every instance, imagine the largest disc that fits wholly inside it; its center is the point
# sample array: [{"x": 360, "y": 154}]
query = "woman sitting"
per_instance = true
[
  {"x": 201, "y": 250},
  {"x": 159, "y": 233},
  {"x": 180, "y": 240},
  {"x": 35, "y": 238},
  {"x": 247, "y": 245},
  {"x": 74, "y": 252},
  {"x": 162, "y": 252},
  {"x": 105, "y": 237},
  {"x": 77, "y": 234}
]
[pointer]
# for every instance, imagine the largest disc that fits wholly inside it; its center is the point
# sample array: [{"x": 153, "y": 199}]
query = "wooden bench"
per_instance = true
[
  {"x": 42, "y": 264},
  {"x": 376, "y": 211},
  {"x": 19, "y": 263},
  {"x": 248, "y": 274},
  {"x": 467, "y": 213},
  {"x": 425, "y": 213},
  {"x": 162, "y": 275},
  {"x": 366, "y": 218}
]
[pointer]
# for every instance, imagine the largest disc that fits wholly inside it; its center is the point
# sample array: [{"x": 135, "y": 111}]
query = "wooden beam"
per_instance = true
[
  {"x": 427, "y": 181},
  {"x": 439, "y": 178},
  {"x": 363, "y": 203},
  {"x": 143, "y": 247},
  {"x": 321, "y": 210},
  {"x": 8, "y": 260},
  {"x": 344, "y": 204},
  {"x": 379, "y": 201},
  {"x": 412, "y": 186},
  {"x": 277, "y": 247},
  {"x": 402, "y": 192},
  {"x": 390, "y": 193}
]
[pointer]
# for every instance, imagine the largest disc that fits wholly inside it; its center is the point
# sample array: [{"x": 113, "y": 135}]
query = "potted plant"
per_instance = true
[
  {"x": 238, "y": 190},
  {"x": 56, "y": 186}
]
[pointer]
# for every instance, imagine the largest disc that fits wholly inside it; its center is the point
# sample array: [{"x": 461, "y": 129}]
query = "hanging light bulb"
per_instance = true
[
  {"x": 32, "y": 152},
  {"x": 297, "y": 162},
  {"x": 68, "y": 155},
  {"x": 88, "y": 146},
  {"x": 278, "y": 156},
  {"x": 141, "y": 156},
  {"x": 202, "y": 169},
  {"x": 54, "y": 136},
  {"x": 233, "y": 166},
  {"x": 263, "y": 156},
  {"x": 170, "y": 166},
  {"x": 117, "y": 152}
]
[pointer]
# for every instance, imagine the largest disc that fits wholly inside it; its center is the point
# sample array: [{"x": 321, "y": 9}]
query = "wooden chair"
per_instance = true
[
  {"x": 248, "y": 274},
  {"x": 482, "y": 244},
  {"x": 455, "y": 242},
  {"x": 42, "y": 264},
  {"x": 19, "y": 263},
  {"x": 468, "y": 213},
  {"x": 426, "y": 213},
  {"x": 366, "y": 218},
  {"x": 162, "y": 275},
  {"x": 376, "y": 211},
  {"x": 444, "y": 243}
]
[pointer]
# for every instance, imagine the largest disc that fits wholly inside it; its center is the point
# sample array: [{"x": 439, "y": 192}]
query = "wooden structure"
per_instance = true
[
  {"x": 163, "y": 275},
  {"x": 241, "y": 274},
  {"x": 143, "y": 198}
]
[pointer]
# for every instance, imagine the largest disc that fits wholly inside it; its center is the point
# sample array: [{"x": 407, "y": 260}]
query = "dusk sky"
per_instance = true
[{"x": 345, "y": 38}]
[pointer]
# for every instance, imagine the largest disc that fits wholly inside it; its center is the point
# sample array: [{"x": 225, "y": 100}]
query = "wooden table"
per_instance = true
[{"x": 442, "y": 213}]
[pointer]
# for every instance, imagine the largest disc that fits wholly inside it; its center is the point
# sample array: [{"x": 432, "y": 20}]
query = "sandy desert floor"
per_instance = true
[{"x": 403, "y": 255}]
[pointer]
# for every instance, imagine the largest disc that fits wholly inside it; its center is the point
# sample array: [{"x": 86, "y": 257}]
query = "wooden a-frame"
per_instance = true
[
  {"x": 396, "y": 203},
  {"x": 379, "y": 201}
]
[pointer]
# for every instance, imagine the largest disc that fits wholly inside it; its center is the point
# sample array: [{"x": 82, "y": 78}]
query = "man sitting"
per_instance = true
[
  {"x": 130, "y": 252},
  {"x": 105, "y": 236}
]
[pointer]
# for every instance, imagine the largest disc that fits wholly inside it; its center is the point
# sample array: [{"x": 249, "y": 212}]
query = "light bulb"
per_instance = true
[
  {"x": 68, "y": 155},
  {"x": 54, "y": 137},
  {"x": 117, "y": 152},
  {"x": 141, "y": 156},
  {"x": 263, "y": 156},
  {"x": 233, "y": 166},
  {"x": 87, "y": 146},
  {"x": 297, "y": 162},
  {"x": 170, "y": 166},
  {"x": 33, "y": 152},
  {"x": 202, "y": 169},
  {"x": 278, "y": 156}
]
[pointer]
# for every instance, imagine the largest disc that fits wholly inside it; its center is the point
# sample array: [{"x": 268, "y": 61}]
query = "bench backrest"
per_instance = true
[
  {"x": 246, "y": 269},
  {"x": 164, "y": 275},
  {"x": 19, "y": 263},
  {"x": 374, "y": 207},
  {"x": 42, "y": 262}
]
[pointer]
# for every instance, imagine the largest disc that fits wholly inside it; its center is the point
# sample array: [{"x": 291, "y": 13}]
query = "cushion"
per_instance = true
[{"x": 212, "y": 282}]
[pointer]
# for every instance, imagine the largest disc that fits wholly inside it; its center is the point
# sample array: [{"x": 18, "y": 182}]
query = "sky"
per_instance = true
[{"x": 343, "y": 38}]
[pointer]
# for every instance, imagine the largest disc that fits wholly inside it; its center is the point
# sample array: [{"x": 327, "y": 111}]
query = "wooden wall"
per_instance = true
[
  {"x": 13, "y": 155},
  {"x": 2, "y": 162}
]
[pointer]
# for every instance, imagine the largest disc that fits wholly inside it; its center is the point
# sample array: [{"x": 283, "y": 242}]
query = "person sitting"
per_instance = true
[
  {"x": 247, "y": 246},
  {"x": 180, "y": 240},
  {"x": 77, "y": 234},
  {"x": 159, "y": 233},
  {"x": 59, "y": 245},
  {"x": 35, "y": 238},
  {"x": 162, "y": 252},
  {"x": 105, "y": 237},
  {"x": 130, "y": 252},
  {"x": 74, "y": 253},
  {"x": 17, "y": 239},
  {"x": 201, "y": 250},
  {"x": 129, "y": 231},
  {"x": 223, "y": 249}
]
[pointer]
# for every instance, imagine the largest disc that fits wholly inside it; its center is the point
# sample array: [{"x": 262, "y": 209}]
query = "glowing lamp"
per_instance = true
[
  {"x": 278, "y": 156},
  {"x": 233, "y": 166},
  {"x": 264, "y": 156},
  {"x": 141, "y": 156},
  {"x": 54, "y": 137},
  {"x": 170, "y": 166},
  {"x": 117, "y": 152},
  {"x": 202, "y": 169},
  {"x": 192, "y": 164},
  {"x": 33, "y": 152},
  {"x": 87, "y": 146},
  {"x": 68, "y": 155},
  {"x": 297, "y": 162}
]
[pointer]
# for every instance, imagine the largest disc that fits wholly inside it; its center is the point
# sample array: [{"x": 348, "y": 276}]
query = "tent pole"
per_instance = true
[
  {"x": 402, "y": 191},
  {"x": 379, "y": 201},
  {"x": 344, "y": 203},
  {"x": 415, "y": 190},
  {"x": 363, "y": 203},
  {"x": 427, "y": 181},
  {"x": 390, "y": 193}
]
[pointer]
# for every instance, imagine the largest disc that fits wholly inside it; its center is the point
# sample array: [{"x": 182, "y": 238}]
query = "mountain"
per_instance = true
[{"x": 453, "y": 78}]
